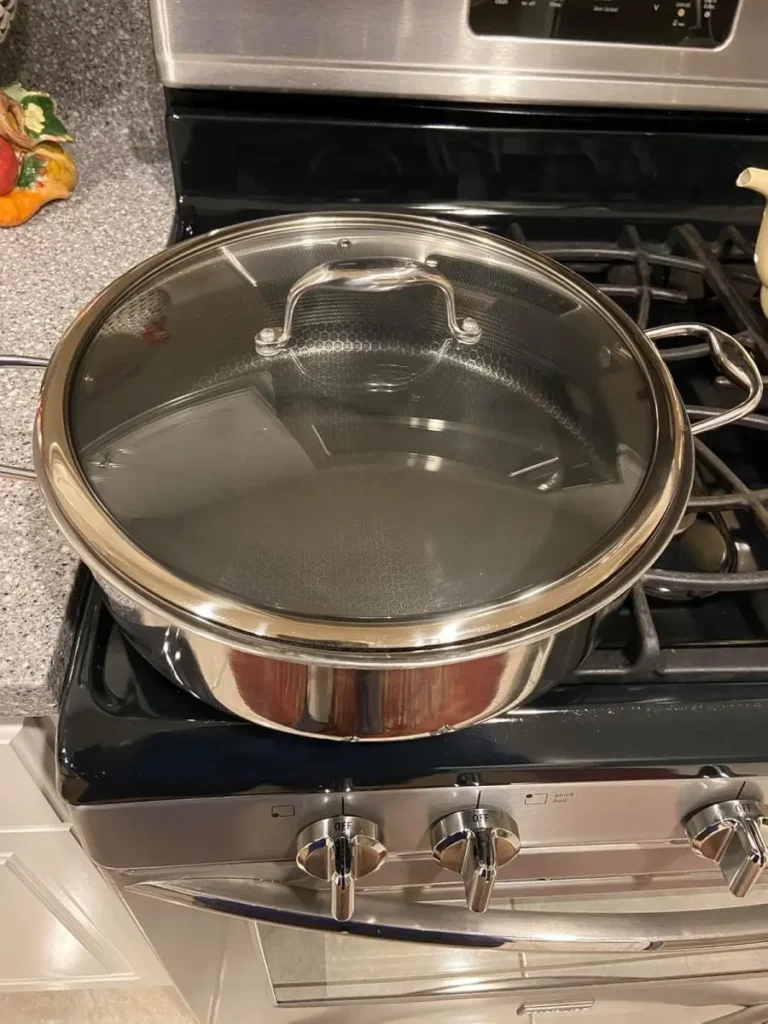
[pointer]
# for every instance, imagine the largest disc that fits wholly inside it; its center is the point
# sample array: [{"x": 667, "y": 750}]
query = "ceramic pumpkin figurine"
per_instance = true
[{"x": 34, "y": 166}]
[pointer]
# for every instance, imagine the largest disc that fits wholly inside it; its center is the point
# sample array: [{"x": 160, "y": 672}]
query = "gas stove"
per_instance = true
[
  {"x": 678, "y": 680},
  {"x": 600, "y": 780}
]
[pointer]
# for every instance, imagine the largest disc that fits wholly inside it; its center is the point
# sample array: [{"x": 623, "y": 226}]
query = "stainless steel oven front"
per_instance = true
[
  {"x": 705, "y": 54},
  {"x": 601, "y": 906}
]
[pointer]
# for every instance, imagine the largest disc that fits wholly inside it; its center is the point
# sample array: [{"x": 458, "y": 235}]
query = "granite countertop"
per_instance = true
[
  {"x": 96, "y": 59},
  {"x": 120, "y": 213}
]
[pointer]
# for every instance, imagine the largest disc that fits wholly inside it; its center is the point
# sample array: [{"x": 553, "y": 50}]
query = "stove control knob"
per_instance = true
[
  {"x": 733, "y": 834},
  {"x": 340, "y": 850},
  {"x": 475, "y": 844}
]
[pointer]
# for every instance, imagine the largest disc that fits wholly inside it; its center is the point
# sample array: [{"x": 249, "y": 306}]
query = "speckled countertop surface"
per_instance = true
[{"x": 120, "y": 213}]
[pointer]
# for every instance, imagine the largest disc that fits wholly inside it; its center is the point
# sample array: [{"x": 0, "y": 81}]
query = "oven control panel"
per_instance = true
[
  {"x": 693, "y": 54},
  {"x": 695, "y": 23}
]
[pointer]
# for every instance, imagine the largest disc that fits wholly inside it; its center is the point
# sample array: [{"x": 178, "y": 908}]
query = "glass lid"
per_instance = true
[{"x": 366, "y": 419}]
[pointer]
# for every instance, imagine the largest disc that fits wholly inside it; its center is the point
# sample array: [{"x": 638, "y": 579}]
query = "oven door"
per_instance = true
[{"x": 690, "y": 955}]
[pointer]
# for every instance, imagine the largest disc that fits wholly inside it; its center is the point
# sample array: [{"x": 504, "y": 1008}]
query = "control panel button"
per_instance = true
[
  {"x": 340, "y": 850},
  {"x": 475, "y": 844},
  {"x": 734, "y": 835}
]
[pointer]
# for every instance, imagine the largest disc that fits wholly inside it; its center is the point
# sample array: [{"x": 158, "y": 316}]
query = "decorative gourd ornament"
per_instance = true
[{"x": 35, "y": 168}]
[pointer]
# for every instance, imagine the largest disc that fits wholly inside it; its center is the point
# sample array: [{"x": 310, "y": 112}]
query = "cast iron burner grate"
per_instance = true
[{"x": 692, "y": 635}]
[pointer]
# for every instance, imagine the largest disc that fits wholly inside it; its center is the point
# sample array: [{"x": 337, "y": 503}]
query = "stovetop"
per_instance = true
[
  {"x": 126, "y": 733},
  {"x": 678, "y": 681}
]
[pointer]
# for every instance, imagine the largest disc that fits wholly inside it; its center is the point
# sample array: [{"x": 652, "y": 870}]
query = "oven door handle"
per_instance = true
[{"x": 384, "y": 918}]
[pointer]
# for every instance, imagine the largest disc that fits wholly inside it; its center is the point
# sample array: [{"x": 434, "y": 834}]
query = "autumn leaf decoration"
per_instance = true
[{"x": 35, "y": 168}]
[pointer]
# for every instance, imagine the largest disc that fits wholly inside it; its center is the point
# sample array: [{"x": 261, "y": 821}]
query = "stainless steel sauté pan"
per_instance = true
[{"x": 362, "y": 475}]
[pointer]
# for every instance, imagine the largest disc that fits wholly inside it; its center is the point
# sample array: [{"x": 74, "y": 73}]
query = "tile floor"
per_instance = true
[{"x": 105, "y": 1006}]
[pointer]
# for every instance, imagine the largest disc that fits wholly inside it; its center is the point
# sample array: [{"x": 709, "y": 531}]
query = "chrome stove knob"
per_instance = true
[
  {"x": 340, "y": 850},
  {"x": 475, "y": 844},
  {"x": 733, "y": 834}
]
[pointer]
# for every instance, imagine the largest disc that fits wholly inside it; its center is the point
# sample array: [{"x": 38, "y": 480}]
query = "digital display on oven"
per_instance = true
[{"x": 696, "y": 23}]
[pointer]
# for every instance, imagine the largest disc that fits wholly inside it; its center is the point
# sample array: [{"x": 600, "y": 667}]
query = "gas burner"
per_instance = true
[{"x": 703, "y": 544}]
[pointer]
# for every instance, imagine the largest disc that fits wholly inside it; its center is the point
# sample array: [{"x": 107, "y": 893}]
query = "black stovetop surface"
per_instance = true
[
  {"x": 672, "y": 683},
  {"x": 645, "y": 207},
  {"x": 126, "y": 733}
]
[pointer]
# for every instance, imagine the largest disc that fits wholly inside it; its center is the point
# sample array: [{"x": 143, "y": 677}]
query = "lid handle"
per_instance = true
[{"x": 374, "y": 274}]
